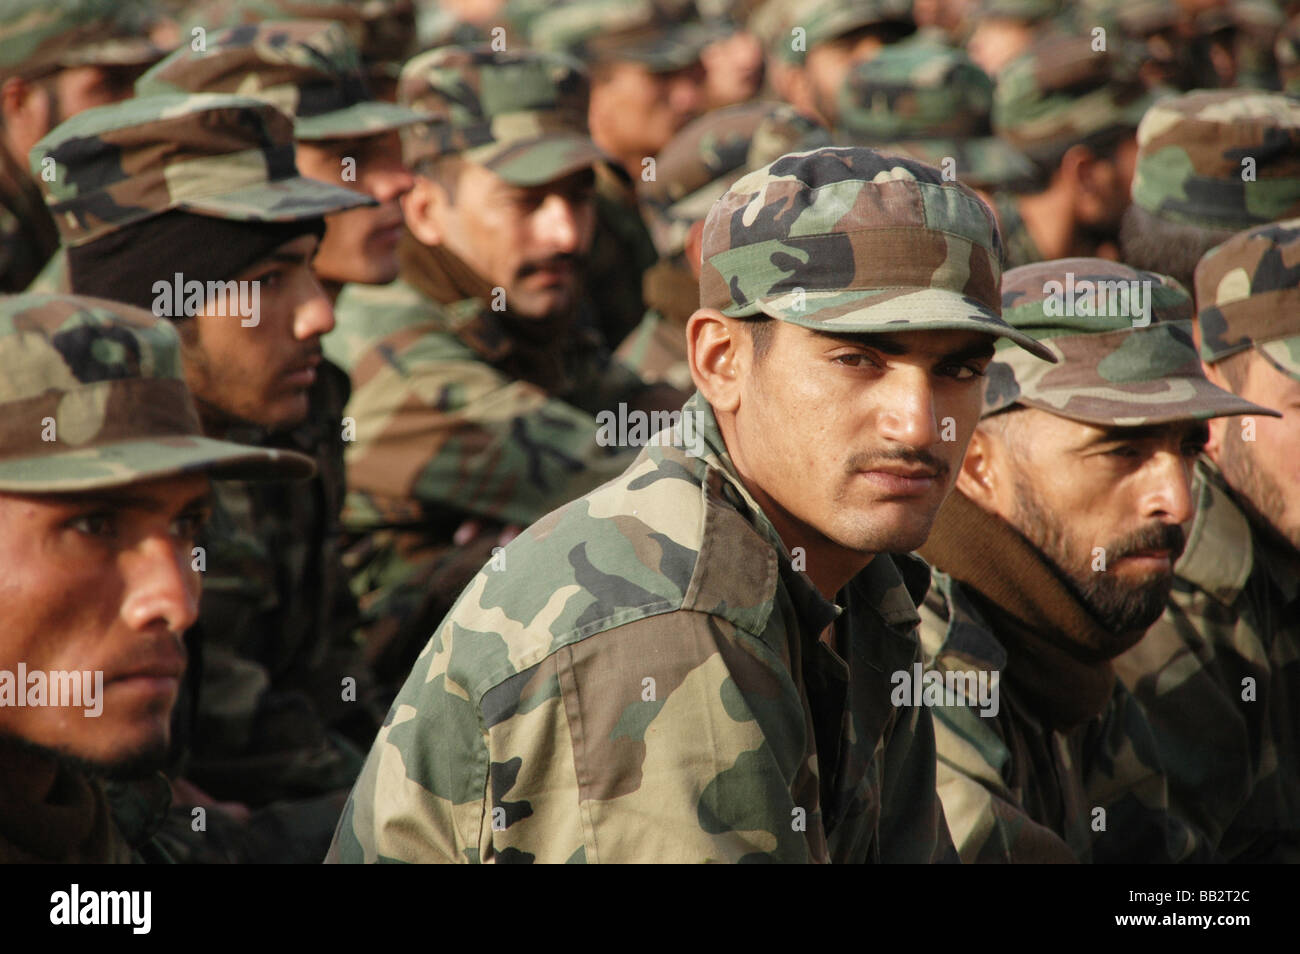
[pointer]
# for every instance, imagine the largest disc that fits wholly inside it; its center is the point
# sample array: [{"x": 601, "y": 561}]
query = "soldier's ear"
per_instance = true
[
  {"x": 712, "y": 349},
  {"x": 424, "y": 208},
  {"x": 978, "y": 477}
]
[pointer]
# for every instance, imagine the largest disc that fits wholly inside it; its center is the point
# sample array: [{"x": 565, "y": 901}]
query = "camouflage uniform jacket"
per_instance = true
[
  {"x": 27, "y": 234},
  {"x": 644, "y": 681},
  {"x": 447, "y": 428},
  {"x": 1219, "y": 674},
  {"x": 276, "y": 628},
  {"x": 1016, "y": 789}
]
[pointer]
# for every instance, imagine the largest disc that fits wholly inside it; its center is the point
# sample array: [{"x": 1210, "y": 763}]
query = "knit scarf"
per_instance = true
[{"x": 1058, "y": 654}]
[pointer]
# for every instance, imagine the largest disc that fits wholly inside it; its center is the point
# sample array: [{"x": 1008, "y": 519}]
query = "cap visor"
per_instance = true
[
  {"x": 286, "y": 200},
  {"x": 130, "y": 462},
  {"x": 896, "y": 310},
  {"x": 1163, "y": 401},
  {"x": 545, "y": 159},
  {"x": 359, "y": 119},
  {"x": 1283, "y": 354}
]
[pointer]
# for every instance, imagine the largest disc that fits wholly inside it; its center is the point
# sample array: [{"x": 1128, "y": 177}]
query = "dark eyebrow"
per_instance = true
[
  {"x": 1197, "y": 430},
  {"x": 888, "y": 344}
]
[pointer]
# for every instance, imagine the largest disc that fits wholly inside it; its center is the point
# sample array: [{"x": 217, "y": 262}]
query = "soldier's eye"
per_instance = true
[
  {"x": 99, "y": 523},
  {"x": 962, "y": 372},
  {"x": 189, "y": 525},
  {"x": 1124, "y": 452},
  {"x": 854, "y": 359}
]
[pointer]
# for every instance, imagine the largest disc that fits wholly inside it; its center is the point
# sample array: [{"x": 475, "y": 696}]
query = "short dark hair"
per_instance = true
[
  {"x": 443, "y": 170},
  {"x": 762, "y": 329},
  {"x": 1150, "y": 243},
  {"x": 1235, "y": 368}
]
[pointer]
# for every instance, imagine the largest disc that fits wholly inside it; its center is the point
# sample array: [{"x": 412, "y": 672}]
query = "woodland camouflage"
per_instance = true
[
  {"x": 523, "y": 115},
  {"x": 650, "y": 32},
  {"x": 1123, "y": 338},
  {"x": 225, "y": 156},
  {"x": 820, "y": 21},
  {"x": 308, "y": 69},
  {"x": 931, "y": 103},
  {"x": 1220, "y": 159},
  {"x": 1218, "y": 676},
  {"x": 538, "y": 726},
  {"x": 92, "y": 396},
  {"x": 846, "y": 240},
  {"x": 38, "y": 37},
  {"x": 1248, "y": 294},
  {"x": 1061, "y": 91},
  {"x": 711, "y": 152}
]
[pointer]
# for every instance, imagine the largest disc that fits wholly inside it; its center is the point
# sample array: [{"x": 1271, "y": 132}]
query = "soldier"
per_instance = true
[
  {"x": 1210, "y": 163},
  {"x": 104, "y": 485},
  {"x": 1076, "y": 480},
  {"x": 1005, "y": 29},
  {"x": 1218, "y": 672},
  {"x": 692, "y": 662},
  {"x": 733, "y": 63},
  {"x": 932, "y": 104},
  {"x": 1073, "y": 110},
  {"x": 692, "y": 172},
  {"x": 478, "y": 374},
  {"x": 812, "y": 44},
  {"x": 647, "y": 82},
  {"x": 161, "y": 207},
  {"x": 55, "y": 61}
]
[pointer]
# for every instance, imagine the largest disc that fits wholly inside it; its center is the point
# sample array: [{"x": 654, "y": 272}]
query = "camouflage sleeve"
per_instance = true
[
  {"x": 460, "y": 434},
  {"x": 667, "y": 739}
]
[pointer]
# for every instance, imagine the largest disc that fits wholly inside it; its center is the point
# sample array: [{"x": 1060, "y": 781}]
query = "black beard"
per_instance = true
[
  {"x": 1119, "y": 607},
  {"x": 1256, "y": 492},
  {"x": 133, "y": 766}
]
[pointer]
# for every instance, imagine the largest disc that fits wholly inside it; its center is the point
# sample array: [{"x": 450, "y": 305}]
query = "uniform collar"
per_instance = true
[{"x": 1220, "y": 549}]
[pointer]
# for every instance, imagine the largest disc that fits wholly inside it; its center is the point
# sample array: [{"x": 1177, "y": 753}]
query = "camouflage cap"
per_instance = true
[
  {"x": 307, "y": 68},
  {"x": 709, "y": 154},
  {"x": 1248, "y": 294},
  {"x": 1220, "y": 159},
  {"x": 521, "y": 114},
  {"x": 930, "y": 102},
  {"x": 230, "y": 157},
  {"x": 648, "y": 32},
  {"x": 1136, "y": 18},
  {"x": 92, "y": 395},
  {"x": 1030, "y": 11},
  {"x": 787, "y": 29},
  {"x": 846, "y": 240},
  {"x": 1123, "y": 339},
  {"x": 381, "y": 30},
  {"x": 38, "y": 37},
  {"x": 1061, "y": 91}
]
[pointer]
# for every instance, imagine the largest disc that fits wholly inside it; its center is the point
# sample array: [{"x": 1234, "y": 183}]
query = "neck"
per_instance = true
[{"x": 1050, "y": 222}]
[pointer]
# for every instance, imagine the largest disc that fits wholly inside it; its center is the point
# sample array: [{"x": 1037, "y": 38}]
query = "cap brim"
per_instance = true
[
  {"x": 359, "y": 119},
  {"x": 1168, "y": 401},
  {"x": 128, "y": 51},
  {"x": 130, "y": 462},
  {"x": 537, "y": 161},
  {"x": 679, "y": 48},
  {"x": 1283, "y": 354},
  {"x": 897, "y": 310},
  {"x": 285, "y": 200}
]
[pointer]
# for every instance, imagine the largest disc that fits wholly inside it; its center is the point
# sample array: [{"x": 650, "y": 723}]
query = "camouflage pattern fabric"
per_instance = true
[
  {"x": 711, "y": 152},
  {"x": 208, "y": 153},
  {"x": 1030, "y": 11},
  {"x": 456, "y": 420},
  {"x": 1061, "y": 92},
  {"x": 535, "y": 726},
  {"x": 1248, "y": 295},
  {"x": 380, "y": 29},
  {"x": 1017, "y": 786},
  {"x": 820, "y": 21},
  {"x": 931, "y": 103},
  {"x": 523, "y": 115},
  {"x": 846, "y": 240},
  {"x": 656, "y": 349},
  {"x": 28, "y": 237},
  {"x": 1123, "y": 340},
  {"x": 1220, "y": 159},
  {"x": 308, "y": 69},
  {"x": 1019, "y": 247},
  {"x": 38, "y": 38},
  {"x": 1217, "y": 674},
  {"x": 105, "y": 380},
  {"x": 650, "y": 32}
]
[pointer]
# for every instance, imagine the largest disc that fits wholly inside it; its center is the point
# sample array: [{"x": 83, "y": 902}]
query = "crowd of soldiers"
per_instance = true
[{"x": 649, "y": 430}]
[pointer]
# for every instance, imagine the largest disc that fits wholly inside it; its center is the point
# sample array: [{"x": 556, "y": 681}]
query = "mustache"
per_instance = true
[
  {"x": 570, "y": 259},
  {"x": 1157, "y": 536},
  {"x": 917, "y": 458}
]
